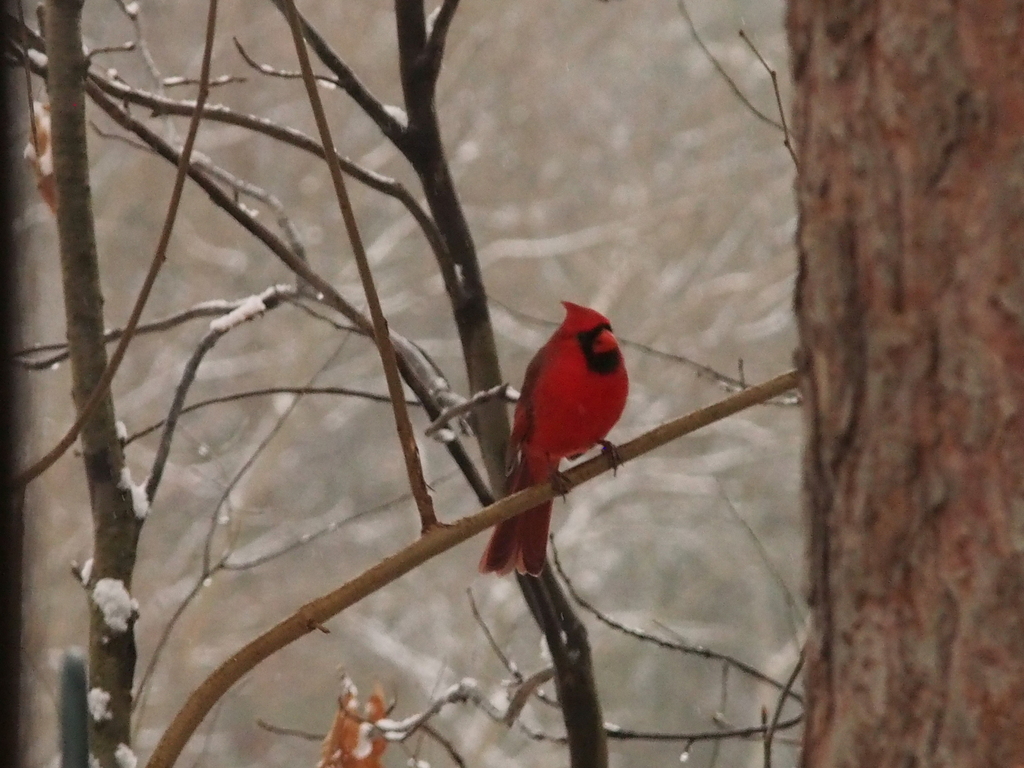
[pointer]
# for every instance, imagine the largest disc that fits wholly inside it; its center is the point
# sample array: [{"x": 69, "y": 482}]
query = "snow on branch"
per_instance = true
[
  {"x": 251, "y": 307},
  {"x": 439, "y": 425},
  {"x": 118, "y": 607},
  {"x": 140, "y": 500}
]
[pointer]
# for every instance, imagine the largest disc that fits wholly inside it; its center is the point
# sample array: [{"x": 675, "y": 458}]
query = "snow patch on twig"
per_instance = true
[{"x": 251, "y": 307}]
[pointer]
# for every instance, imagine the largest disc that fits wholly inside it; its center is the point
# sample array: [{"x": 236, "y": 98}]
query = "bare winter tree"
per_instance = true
[
  {"x": 910, "y": 301},
  {"x": 471, "y": 427}
]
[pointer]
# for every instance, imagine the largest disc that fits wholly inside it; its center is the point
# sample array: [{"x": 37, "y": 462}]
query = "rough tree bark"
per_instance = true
[
  {"x": 115, "y": 526},
  {"x": 910, "y": 302}
]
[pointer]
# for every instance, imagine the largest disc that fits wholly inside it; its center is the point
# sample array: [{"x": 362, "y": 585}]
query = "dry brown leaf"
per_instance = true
[
  {"x": 39, "y": 154},
  {"x": 350, "y": 743}
]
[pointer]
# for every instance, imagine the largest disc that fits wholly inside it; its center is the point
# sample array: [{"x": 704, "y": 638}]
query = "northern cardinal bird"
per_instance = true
[{"x": 573, "y": 393}]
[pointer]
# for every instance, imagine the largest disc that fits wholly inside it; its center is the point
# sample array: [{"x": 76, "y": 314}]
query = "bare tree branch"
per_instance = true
[
  {"x": 403, "y": 425},
  {"x": 786, "y": 140},
  {"x": 103, "y": 384},
  {"x": 260, "y": 303},
  {"x": 285, "y": 74},
  {"x": 349, "y": 82},
  {"x": 235, "y": 563},
  {"x": 264, "y": 392},
  {"x": 792, "y": 614},
  {"x": 506, "y": 662},
  {"x": 502, "y": 392},
  {"x": 211, "y": 566},
  {"x": 160, "y": 105},
  {"x": 425, "y": 388},
  {"x": 212, "y": 308},
  {"x": 687, "y": 648},
  {"x": 437, "y": 26},
  {"x": 721, "y": 70},
  {"x": 287, "y": 135},
  {"x": 776, "y": 723}
]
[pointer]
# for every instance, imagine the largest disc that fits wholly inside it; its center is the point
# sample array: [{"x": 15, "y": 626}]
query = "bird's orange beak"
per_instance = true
[{"x": 605, "y": 342}]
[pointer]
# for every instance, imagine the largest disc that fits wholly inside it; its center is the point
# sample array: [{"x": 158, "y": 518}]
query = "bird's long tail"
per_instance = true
[{"x": 522, "y": 542}]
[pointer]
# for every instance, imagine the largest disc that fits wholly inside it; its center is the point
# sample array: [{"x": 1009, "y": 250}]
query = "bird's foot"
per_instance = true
[
  {"x": 614, "y": 457},
  {"x": 560, "y": 483}
]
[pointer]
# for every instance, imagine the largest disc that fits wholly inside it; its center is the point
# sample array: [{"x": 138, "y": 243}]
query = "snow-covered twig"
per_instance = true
[
  {"x": 287, "y": 74},
  {"x": 245, "y": 310},
  {"x": 466, "y": 691},
  {"x": 203, "y": 309},
  {"x": 458, "y": 410}
]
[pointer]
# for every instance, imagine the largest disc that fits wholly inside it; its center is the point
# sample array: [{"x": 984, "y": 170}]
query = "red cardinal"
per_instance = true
[{"x": 573, "y": 393}]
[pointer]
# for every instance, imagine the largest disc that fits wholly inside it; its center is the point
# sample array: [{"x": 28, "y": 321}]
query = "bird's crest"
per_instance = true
[{"x": 579, "y": 319}]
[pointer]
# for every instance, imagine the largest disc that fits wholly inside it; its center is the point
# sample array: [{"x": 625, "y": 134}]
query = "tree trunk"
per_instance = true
[
  {"x": 115, "y": 524},
  {"x": 910, "y": 302}
]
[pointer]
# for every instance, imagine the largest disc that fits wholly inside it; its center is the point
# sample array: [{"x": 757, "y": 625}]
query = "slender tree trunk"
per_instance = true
[
  {"x": 115, "y": 526},
  {"x": 565, "y": 633},
  {"x": 910, "y": 302}
]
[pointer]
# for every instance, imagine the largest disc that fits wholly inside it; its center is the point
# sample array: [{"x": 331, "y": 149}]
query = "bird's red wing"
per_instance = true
[{"x": 522, "y": 421}]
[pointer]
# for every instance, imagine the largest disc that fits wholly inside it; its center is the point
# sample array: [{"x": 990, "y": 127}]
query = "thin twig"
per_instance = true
[
  {"x": 133, "y": 13},
  {"x": 266, "y": 69},
  {"x": 438, "y": 24},
  {"x": 502, "y": 391},
  {"x": 264, "y": 392},
  {"x": 406, "y": 436},
  {"x": 774, "y": 725},
  {"x": 296, "y": 733},
  {"x": 141, "y": 696},
  {"x": 240, "y": 186},
  {"x": 787, "y": 593},
  {"x": 445, "y": 744},
  {"x": 787, "y": 143},
  {"x": 505, "y": 660},
  {"x": 721, "y": 70},
  {"x": 526, "y": 688},
  {"x": 179, "y": 80},
  {"x": 687, "y": 648},
  {"x": 127, "y": 47},
  {"x": 348, "y": 81},
  {"x": 272, "y": 201},
  {"x": 212, "y": 308},
  {"x": 131, "y": 141},
  {"x": 628, "y": 734},
  {"x": 299, "y": 140},
  {"x": 268, "y": 300},
  {"x": 723, "y": 703},
  {"x": 209, "y": 567},
  {"x": 234, "y": 563},
  {"x": 103, "y": 385}
]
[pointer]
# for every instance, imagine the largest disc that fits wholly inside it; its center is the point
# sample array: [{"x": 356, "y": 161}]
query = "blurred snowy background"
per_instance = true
[{"x": 600, "y": 158}]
